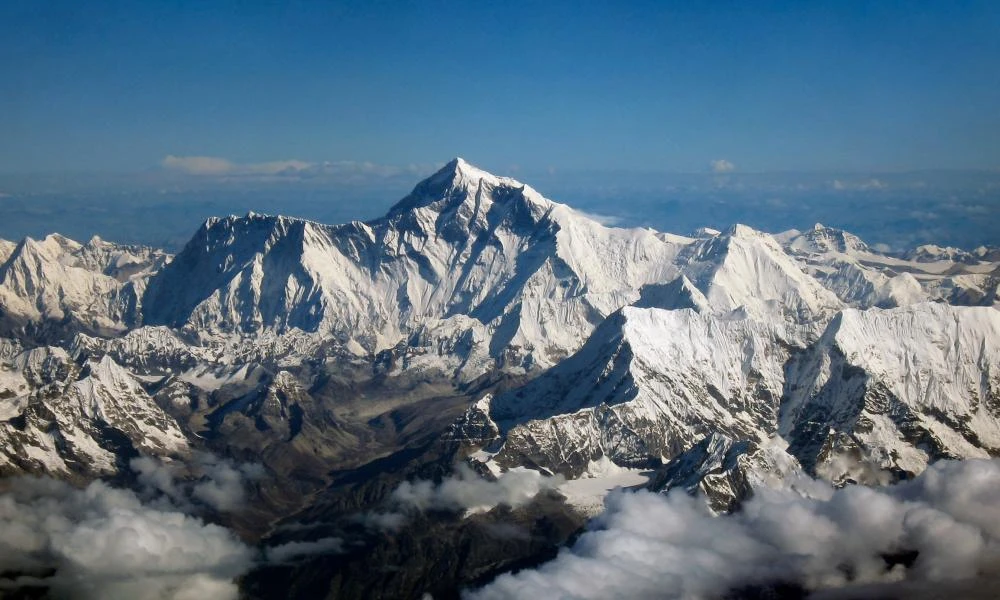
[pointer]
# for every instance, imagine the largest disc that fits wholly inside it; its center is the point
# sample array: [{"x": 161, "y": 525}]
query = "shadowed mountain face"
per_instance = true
[{"x": 446, "y": 393}]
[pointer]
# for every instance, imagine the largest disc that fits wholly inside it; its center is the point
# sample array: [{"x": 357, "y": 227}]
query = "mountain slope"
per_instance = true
[
  {"x": 648, "y": 384},
  {"x": 61, "y": 418},
  {"x": 747, "y": 269},
  {"x": 883, "y": 390},
  {"x": 897, "y": 389},
  {"x": 536, "y": 275},
  {"x": 94, "y": 286}
]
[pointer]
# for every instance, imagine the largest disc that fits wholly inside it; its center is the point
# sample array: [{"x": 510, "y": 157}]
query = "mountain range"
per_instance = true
[{"x": 479, "y": 323}]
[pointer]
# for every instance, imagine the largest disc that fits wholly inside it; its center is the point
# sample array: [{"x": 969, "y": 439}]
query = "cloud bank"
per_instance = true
[
  {"x": 107, "y": 543},
  {"x": 286, "y": 170},
  {"x": 208, "y": 481},
  {"x": 464, "y": 492},
  {"x": 103, "y": 543},
  {"x": 862, "y": 186},
  {"x": 947, "y": 522},
  {"x": 214, "y": 165}
]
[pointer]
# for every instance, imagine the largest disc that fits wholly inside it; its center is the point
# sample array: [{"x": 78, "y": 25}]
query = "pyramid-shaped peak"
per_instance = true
[
  {"x": 822, "y": 238},
  {"x": 459, "y": 168},
  {"x": 458, "y": 181},
  {"x": 50, "y": 247},
  {"x": 676, "y": 294},
  {"x": 739, "y": 230},
  {"x": 458, "y": 163}
]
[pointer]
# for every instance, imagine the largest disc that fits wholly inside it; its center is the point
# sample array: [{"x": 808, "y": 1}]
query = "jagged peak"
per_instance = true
[
  {"x": 823, "y": 238},
  {"x": 706, "y": 232},
  {"x": 47, "y": 249},
  {"x": 461, "y": 168},
  {"x": 677, "y": 294},
  {"x": 748, "y": 268},
  {"x": 716, "y": 249},
  {"x": 738, "y": 230},
  {"x": 58, "y": 238},
  {"x": 459, "y": 181},
  {"x": 108, "y": 370},
  {"x": 251, "y": 218}
]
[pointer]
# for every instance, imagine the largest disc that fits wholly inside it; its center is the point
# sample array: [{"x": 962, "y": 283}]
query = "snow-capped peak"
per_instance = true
[
  {"x": 827, "y": 239},
  {"x": 747, "y": 269},
  {"x": 459, "y": 182}
]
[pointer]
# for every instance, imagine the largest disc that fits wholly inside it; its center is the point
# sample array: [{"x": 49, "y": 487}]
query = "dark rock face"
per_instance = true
[
  {"x": 717, "y": 467},
  {"x": 436, "y": 552}
]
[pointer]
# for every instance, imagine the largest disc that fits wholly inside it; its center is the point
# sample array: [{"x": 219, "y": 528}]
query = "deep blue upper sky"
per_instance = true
[{"x": 662, "y": 86}]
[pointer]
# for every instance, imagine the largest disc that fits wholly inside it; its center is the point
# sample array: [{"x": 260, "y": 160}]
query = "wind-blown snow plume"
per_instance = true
[
  {"x": 101, "y": 542},
  {"x": 468, "y": 491},
  {"x": 645, "y": 545}
]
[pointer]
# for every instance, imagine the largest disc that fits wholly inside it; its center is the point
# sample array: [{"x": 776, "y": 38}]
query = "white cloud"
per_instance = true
[
  {"x": 104, "y": 543},
  {"x": 207, "y": 480},
  {"x": 722, "y": 166},
  {"x": 213, "y": 165},
  {"x": 285, "y": 552},
  {"x": 862, "y": 186},
  {"x": 465, "y": 491},
  {"x": 344, "y": 171},
  {"x": 198, "y": 165},
  {"x": 223, "y": 483},
  {"x": 383, "y": 521},
  {"x": 648, "y": 545},
  {"x": 468, "y": 491}
]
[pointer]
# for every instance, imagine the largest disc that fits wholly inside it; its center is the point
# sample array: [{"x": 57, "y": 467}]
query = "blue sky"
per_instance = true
[{"x": 647, "y": 86}]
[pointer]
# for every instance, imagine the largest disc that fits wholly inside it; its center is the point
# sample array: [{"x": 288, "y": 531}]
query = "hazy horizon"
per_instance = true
[
  {"x": 163, "y": 209},
  {"x": 136, "y": 122}
]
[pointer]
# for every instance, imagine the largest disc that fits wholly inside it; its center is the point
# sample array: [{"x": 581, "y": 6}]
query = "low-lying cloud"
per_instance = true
[
  {"x": 645, "y": 545},
  {"x": 468, "y": 491},
  {"x": 104, "y": 543},
  {"x": 464, "y": 492},
  {"x": 284, "y": 553},
  {"x": 207, "y": 480}
]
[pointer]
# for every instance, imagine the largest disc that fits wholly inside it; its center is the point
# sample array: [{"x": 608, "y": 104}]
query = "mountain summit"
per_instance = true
[
  {"x": 457, "y": 181},
  {"x": 466, "y": 250}
]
